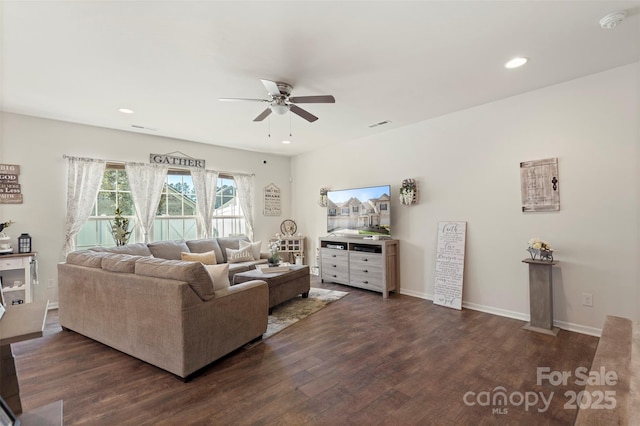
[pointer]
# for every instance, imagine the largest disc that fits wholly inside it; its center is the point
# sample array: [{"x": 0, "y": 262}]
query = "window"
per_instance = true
[
  {"x": 176, "y": 214},
  {"x": 355, "y": 209},
  {"x": 383, "y": 206},
  {"x": 345, "y": 211},
  {"x": 228, "y": 218},
  {"x": 114, "y": 193}
]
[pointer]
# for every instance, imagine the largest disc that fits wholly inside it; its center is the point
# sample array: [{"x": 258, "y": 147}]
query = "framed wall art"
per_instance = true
[
  {"x": 540, "y": 185},
  {"x": 272, "y": 201}
]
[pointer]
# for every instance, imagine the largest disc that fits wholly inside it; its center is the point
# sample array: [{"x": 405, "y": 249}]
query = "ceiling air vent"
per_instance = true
[{"x": 382, "y": 123}]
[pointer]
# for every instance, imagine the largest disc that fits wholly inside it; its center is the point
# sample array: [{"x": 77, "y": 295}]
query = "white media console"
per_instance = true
[{"x": 369, "y": 264}]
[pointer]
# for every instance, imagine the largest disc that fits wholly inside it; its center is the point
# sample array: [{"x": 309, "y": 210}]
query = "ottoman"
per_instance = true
[{"x": 282, "y": 285}]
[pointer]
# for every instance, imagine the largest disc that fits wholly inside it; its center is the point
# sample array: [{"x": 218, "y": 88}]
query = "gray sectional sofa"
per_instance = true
[{"x": 143, "y": 300}]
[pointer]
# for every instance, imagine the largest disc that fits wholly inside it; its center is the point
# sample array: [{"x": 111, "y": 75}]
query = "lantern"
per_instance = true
[{"x": 24, "y": 243}]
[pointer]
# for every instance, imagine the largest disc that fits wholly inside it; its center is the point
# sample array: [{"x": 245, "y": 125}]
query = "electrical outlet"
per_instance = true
[{"x": 587, "y": 299}]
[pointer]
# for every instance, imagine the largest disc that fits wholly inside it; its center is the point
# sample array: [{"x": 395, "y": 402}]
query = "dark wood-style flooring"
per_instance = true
[{"x": 362, "y": 360}]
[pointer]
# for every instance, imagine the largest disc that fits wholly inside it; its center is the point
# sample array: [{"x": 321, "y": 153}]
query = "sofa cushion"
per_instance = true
[
  {"x": 204, "y": 245},
  {"x": 116, "y": 262},
  {"x": 207, "y": 258},
  {"x": 168, "y": 249},
  {"x": 255, "y": 248},
  {"x": 193, "y": 273},
  {"x": 88, "y": 258},
  {"x": 219, "y": 275},
  {"x": 236, "y": 256},
  {"x": 234, "y": 268},
  {"x": 231, "y": 243},
  {"x": 138, "y": 249}
]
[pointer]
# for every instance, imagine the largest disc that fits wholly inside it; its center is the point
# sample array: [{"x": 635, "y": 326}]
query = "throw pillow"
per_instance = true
[
  {"x": 255, "y": 248},
  {"x": 242, "y": 255},
  {"x": 219, "y": 276},
  {"x": 207, "y": 258}
]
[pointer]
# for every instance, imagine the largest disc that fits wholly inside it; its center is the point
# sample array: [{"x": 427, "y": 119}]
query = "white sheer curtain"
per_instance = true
[
  {"x": 205, "y": 183},
  {"x": 84, "y": 177},
  {"x": 244, "y": 183},
  {"x": 145, "y": 182}
]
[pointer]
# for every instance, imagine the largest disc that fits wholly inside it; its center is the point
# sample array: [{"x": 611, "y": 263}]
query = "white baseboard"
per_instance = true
[
  {"x": 511, "y": 314},
  {"x": 583, "y": 329},
  {"x": 497, "y": 311},
  {"x": 53, "y": 305}
]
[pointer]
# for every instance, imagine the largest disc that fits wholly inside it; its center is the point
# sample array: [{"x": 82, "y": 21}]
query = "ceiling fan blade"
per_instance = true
[
  {"x": 242, "y": 100},
  {"x": 302, "y": 113},
  {"x": 320, "y": 99},
  {"x": 264, "y": 114},
  {"x": 272, "y": 87}
]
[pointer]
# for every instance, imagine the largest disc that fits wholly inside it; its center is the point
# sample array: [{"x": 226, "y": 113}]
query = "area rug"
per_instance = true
[{"x": 293, "y": 310}]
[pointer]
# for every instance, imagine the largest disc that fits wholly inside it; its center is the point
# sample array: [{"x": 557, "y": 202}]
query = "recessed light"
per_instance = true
[
  {"x": 126, "y": 110},
  {"x": 516, "y": 62},
  {"x": 286, "y": 142}
]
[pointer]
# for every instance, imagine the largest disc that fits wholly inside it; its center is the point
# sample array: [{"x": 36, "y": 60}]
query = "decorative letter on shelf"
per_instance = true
[
  {"x": 450, "y": 264},
  {"x": 272, "y": 204},
  {"x": 540, "y": 185}
]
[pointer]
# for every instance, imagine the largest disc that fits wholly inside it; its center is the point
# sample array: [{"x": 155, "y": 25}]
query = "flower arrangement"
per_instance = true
[
  {"x": 537, "y": 247},
  {"x": 5, "y": 240},
  {"x": 323, "y": 201},
  {"x": 120, "y": 228},
  {"x": 274, "y": 251},
  {"x": 408, "y": 192},
  {"x": 5, "y": 225}
]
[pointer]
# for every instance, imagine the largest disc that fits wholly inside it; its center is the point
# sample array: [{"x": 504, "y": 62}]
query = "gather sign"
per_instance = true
[
  {"x": 10, "y": 190},
  {"x": 173, "y": 160}
]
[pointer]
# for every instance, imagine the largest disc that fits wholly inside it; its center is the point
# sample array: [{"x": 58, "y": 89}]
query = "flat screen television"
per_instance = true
[{"x": 359, "y": 212}]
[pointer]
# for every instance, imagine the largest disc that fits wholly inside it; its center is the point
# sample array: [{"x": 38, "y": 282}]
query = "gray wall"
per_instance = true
[
  {"x": 467, "y": 168},
  {"x": 37, "y": 145}
]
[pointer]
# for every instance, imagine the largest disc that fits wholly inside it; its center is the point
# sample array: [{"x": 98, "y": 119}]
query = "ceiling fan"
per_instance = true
[{"x": 280, "y": 101}]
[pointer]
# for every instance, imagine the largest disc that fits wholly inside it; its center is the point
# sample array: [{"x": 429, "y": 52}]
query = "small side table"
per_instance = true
[{"x": 541, "y": 297}]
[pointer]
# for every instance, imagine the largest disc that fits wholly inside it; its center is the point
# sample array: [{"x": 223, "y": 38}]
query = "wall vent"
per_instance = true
[
  {"x": 382, "y": 123},
  {"x": 137, "y": 126}
]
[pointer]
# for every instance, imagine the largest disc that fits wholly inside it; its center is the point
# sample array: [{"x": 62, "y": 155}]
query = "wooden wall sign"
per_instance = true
[
  {"x": 10, "y": 190},
  {"x": 540, "y": 186},
  {"x": 272, "y": 201},
  {"x": 450, "y": 264},
  {"x": 174, "y": 160}
]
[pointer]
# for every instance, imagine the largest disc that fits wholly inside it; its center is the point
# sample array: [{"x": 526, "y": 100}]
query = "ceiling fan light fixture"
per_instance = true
[
  {"x": 613, "y": 19},
  {"x": 280, "y": 109}
]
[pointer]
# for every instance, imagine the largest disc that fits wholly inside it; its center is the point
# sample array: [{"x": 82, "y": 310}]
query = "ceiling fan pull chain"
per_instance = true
[
  {"x": 269, "y": 127},
  {"x": 289, "y": 123}
]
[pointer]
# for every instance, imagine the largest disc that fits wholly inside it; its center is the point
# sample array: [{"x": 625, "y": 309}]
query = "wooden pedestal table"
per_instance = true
[
  {"x": 541, "y": 297},
  {"x": 19, "y": 322}
]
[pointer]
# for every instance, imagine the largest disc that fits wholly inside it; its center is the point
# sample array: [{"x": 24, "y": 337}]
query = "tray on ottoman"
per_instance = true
[{"x": 282, "y": 285}]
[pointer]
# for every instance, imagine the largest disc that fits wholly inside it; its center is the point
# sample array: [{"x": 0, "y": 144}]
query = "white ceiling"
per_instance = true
[{"x": 405, "y": 62}]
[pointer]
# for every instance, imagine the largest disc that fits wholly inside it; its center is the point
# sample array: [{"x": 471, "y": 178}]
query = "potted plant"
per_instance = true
[
  {"x": 120, "y": 228},
  {"x": 274, "y": 251}
]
